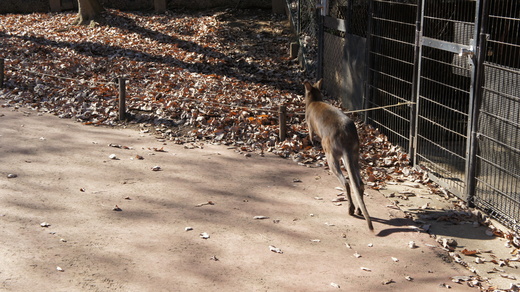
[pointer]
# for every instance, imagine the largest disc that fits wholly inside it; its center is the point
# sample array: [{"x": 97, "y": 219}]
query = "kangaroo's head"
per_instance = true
[{"x": 312, "y": 92}]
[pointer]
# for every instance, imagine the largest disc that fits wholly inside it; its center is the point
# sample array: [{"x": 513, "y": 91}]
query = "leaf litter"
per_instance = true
[{"x": 219, "y": 83}]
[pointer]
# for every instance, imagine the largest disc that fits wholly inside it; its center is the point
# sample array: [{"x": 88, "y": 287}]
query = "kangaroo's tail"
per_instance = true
[{"x": 355, "y": 182}]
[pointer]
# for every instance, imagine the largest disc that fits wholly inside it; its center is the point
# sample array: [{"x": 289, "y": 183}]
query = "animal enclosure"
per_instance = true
[{"x": 452, "y": 68}]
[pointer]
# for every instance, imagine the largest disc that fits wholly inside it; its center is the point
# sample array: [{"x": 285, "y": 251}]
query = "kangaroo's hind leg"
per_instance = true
[{"x": 335, "y": 166}]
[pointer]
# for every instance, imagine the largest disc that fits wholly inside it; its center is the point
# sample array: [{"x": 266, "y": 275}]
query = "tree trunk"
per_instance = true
[{"x": 89, "y": 10}]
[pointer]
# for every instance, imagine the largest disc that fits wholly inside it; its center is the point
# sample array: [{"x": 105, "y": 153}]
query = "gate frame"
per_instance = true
[{"x": 475, "y": 54}]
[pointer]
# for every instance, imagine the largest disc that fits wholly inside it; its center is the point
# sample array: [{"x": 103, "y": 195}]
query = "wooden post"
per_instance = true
[
  {"x": 1, "y": 73},
  {"x": 122, "y": 98},
  {"x": 294, "y": 48},
  {"x": 160, "y": 6},
  {"x": 282, "y": 120}
]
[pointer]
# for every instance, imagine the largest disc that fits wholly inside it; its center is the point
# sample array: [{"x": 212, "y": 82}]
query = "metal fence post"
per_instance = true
[
  {"x": 321, "y": 11},
  {"x": 299, "y": 23},
  {"x": 122, "y": 98},
  {"x": 412, "y": 145},
  {"x": 368, "y": 61},
  {"x": 1, "y": 73},
  {"x": 475, "y": 104},
  {"x": 282, "y": 121}
]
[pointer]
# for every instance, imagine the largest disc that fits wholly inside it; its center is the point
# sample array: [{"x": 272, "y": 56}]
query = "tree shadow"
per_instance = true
[{"x": 229, "y": 65}]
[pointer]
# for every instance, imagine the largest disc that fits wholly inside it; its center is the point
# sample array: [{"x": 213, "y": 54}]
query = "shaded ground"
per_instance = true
[{"x": 66, "y": 178}]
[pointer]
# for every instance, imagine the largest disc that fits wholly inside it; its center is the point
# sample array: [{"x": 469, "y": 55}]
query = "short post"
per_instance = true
[
  {"x": 294, "y": 48},
  {"x": 282, "y": 120},
  {"x": 122, "y": 98},
  {"x": 1, "y": 73}
]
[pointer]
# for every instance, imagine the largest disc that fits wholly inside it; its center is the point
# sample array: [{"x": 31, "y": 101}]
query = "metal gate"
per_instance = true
[{"x": 445, "y": 91}]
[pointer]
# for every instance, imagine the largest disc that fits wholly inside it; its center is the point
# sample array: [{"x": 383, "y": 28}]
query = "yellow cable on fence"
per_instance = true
[
  {"x": 370, "y": 109},
  {"x": 380, "y": 107}
]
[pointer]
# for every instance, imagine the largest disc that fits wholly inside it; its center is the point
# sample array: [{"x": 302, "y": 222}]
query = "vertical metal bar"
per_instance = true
[
  {"x": 348, "y": 16},
  {"x": 282, "y": 121},
  {"x": 122, "y": 98},
  {"x": 321, "y": 43},
  {"x": 1, "y": 73},
  {"x": 481, "y": 19},
  {"x": 412, "y": 145},
  {"x": 421, "y": 4},
  {"x": 368, "y": 59},
  {"x": 299, "y": 23}
]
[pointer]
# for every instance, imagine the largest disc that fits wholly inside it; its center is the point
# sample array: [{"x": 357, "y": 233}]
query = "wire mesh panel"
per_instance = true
[
  {"x": 444, "y": 92},
  {"x": 498, "y": 178},
  {"x": 391, "y": 67}
]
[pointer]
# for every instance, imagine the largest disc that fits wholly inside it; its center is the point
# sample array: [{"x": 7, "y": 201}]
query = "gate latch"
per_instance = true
[{"x": 466, "y": 52}]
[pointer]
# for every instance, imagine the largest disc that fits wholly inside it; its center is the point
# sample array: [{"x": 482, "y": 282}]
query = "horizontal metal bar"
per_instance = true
[
  {"x": 393, "y": 40},
  {"x": 503, "y": 94},
  {"x": 499, "y": 167},
  {"x": 392, "y": 58},
  {"x": 444, "y": 45},
  {"x": 442, "y": 181},
  {"x": 503, "y": 17},
  {"x": 506, "y": 69},
  {"x": 449, "y": 20},
  {"x": 498, "y": 142},
  {"x": 503, "y": 43},
  {"x": 388, "y": 75},
  {"x": 446, "y": 85},
  {"x": 443, "y": 106},
  {"x": 394, "y": 21},
  {"x": 443, "y": 128},
  {"x": 387, "y": 93},
  {"x": 396, "y": 3},
  {"x": 384, "y": 126}
]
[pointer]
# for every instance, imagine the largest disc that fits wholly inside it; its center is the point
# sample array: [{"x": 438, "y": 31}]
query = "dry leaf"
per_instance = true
[{"x": 469, "y": 252}]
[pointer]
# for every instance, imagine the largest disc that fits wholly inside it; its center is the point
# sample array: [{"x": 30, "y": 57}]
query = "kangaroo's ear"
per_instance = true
[
  {"x": 308, "y": 86},
  {"x": 318, "y": 84}
]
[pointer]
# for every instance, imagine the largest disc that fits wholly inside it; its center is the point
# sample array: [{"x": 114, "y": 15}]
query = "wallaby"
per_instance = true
[{"x": 339, "y": 139}]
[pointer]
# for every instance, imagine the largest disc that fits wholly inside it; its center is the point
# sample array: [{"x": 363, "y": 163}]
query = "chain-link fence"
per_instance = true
[{"x": 304, "y": 17}]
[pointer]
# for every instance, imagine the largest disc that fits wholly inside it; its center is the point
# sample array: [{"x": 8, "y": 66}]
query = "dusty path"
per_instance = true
[{"x": 66, "y": 179}]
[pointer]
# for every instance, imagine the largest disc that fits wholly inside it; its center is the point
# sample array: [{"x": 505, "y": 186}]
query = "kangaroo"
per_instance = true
[{"x": 340, "y": 140}]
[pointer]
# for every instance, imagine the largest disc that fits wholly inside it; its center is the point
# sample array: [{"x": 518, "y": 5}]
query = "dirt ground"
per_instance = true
[{"x": 67, "y": 179}]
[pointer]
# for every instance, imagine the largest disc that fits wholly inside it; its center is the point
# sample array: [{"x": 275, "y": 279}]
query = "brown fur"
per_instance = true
[{"x": 339, "y": 139}]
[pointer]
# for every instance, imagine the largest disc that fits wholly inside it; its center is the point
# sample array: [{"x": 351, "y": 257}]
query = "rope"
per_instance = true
[
  {"x": 380, "y": 107},
  {"x": 371, "y": 109}
]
